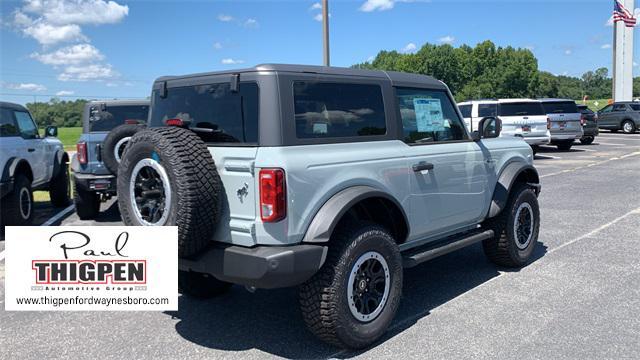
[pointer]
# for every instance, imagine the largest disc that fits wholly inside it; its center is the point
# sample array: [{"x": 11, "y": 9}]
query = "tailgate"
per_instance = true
[{"x": 565, "y": 122}]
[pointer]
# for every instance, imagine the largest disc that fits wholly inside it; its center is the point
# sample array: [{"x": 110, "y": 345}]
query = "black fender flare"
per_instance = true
[
  {"x": 505, "y": 182},
  {"x": 331, "y": 212},
  {"x": 10, "y": 167},
  {"x": 60, "y": 158}
]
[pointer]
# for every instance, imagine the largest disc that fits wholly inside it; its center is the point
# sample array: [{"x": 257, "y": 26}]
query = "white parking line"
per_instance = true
[
  {"x": 57, "y": 216},
  {"x": 2, "y": 255},
  {"x": 547, "y": 156},
  {"x": 591, "y": 164},
  {"x": 612, "y": 144}
]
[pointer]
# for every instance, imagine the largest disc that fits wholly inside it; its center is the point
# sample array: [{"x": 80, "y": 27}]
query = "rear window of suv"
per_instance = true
[
  {"x": 635, "y": 107},
  {"x": 465, "y": 110},
  {"x": 116, "y": 115},
  {"x": 520, "y": 109},
  {"x": 231, "y": 117},
  {"x": 560, "y": 107},
  {"x": 333, "y": 110}
]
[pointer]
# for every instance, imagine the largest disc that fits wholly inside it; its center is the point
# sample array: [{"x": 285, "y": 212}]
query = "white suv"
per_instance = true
[
  {"x": 29, "y": 162},
  {"x": 523, "y": 118}
]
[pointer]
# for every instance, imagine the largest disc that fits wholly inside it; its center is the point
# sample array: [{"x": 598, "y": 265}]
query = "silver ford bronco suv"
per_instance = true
[{"x": 330, "y": 179}]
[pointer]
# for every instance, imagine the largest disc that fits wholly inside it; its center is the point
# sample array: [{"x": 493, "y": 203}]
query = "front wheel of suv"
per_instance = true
[
  {"x": 354, "y": 297},
  {"x": 515, "y": 229},
  {"x": 17, "y": 206}
]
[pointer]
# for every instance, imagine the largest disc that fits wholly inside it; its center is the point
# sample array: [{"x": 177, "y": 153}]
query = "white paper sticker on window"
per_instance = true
[{"x": 428, "y": 115}]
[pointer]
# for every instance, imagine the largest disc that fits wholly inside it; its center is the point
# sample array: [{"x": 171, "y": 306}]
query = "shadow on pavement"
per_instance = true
[{"x": 271, "y": 322}]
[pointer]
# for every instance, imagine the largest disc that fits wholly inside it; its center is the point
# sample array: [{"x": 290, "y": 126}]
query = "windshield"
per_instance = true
[
  {"x": 521, "y": 109},
  {"x": 113, "y": 116},
  {"x": 220, "y": 115},
  {"x": 560, "y": 107}
]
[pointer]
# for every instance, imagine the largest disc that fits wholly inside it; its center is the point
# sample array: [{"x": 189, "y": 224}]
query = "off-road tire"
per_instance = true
[
  {"x": 87, "y": 203},
  {"x": 109, "y": 144},
  {"x": 323, "y": 298},
  {"x": 633, "y": 127},
  {"x": 201, "y": 285},
  {"x": 12, "y": 212},
  {"x": 565, "y": 146},
  {"x": 502, "y": 249},
  {"x": 587, "y": 140},
  {"x": 195, "y": 203},
  {"x": 59, "y": 188}
]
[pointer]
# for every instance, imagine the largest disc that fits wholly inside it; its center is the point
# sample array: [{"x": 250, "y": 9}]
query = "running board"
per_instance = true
[{"x": 417, "y": 256}]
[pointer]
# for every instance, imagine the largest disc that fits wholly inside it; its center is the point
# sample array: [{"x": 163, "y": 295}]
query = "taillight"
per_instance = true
[
  {"x": 81, "y": 149},
  {"x": 131, "y": 122},
  {"x": 273, "y": 206},
  {"x": 174, "y": 122},
  {"x": 548, "y": 124}
]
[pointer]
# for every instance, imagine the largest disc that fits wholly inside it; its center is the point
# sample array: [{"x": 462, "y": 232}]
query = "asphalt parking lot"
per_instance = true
[{"x": 579, "y": 298}]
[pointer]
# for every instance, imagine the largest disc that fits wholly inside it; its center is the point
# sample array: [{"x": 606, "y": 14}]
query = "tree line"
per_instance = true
[
  {"x": 483, "y": 71},
  {"x": 490, "y": 71}
]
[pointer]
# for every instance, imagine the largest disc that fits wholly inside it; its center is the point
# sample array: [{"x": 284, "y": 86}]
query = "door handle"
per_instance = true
[
  {"x": 31, "y": 150},
  {"x": 422, "y": 166}
]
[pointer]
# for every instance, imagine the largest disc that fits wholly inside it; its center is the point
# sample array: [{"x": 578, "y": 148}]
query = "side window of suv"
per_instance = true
[
  {"x": 7, "y": 124},
  {"x": 27, "y": 127},
  {"x": 331, "y": 110},
  {"x": 606, "y": 109},
  {"x": 485, "y": 110},
  {"x": 428, "y": 116},
  {"x": 619, "y": 107}
]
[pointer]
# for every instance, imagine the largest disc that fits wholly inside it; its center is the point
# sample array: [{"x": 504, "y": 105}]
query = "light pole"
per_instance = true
[{"x": 325, "y": 31}]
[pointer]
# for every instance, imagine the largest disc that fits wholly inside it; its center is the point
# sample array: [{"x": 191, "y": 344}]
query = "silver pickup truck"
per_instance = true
[
  {"x": 330, "y": 179},
  {"x": 565, "y": 120}
]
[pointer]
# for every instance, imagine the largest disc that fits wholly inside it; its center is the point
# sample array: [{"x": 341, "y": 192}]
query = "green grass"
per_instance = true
[
  {"x": 592, "y": 103},
  {"x": 69, "y": 137}
]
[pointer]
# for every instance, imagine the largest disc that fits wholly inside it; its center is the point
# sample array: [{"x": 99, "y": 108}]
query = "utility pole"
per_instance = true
[{"x": 325, "y": 31}]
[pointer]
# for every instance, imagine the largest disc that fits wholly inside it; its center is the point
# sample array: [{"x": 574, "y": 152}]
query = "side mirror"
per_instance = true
[
  {"x": 51, "y": 131},
  {"x": 488, "y": 128}
]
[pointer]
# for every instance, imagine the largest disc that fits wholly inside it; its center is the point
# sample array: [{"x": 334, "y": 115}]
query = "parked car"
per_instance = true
[
  {"x": 107, "y": 127},
  {"x": 565, "y": 122},
  {"x": 524, "y": 118},
  {"x": 589, "y": 122},
  {"x": 29, "y": 162},
  {"x": 328, "y": 178},
  {"x": 623, "y": 116}
]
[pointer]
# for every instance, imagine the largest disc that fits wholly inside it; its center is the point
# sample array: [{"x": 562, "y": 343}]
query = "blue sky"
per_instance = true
[{"x": 115, "y": 49}]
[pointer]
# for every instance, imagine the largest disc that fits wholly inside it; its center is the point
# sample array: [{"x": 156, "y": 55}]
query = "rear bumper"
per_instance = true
[
  {"x": 264, "y": 267},
  {"x": 536, "y": 140},
  {"x": 6, "y": 187},
  {"x": 566, "y": 136},
  {"x": 99, "y": 183}
]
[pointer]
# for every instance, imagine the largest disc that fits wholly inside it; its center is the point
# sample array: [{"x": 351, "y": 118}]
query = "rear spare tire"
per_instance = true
[
  {"x": 115, "y": 143},
  {"x": 168, "y": 177}
]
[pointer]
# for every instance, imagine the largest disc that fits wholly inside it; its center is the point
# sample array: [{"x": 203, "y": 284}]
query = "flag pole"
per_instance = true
[{"x": 613, "y": 78}]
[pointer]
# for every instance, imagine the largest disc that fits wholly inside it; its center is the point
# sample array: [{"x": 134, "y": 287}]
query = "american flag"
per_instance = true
[{"x": 620, "y": 13}]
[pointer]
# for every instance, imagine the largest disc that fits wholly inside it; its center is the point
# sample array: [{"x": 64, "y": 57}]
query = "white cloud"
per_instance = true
[
  {"x": 251, "y": 23},
  {"x": 70, "y": 55},
  {"x": 371, "y": 58},
  {"x": 225, "y": 18},
  {"x": 230, "y": 61},
  {"x": 319, "y": 16},
  {"x": 26, "y": 86},
  {"x": 530, "y": 47},
  {"x": 568, "y": 52},
  {"x": 377, "y": 5},
  {"x": 605, "y": 46},
  {"x": 88, "y": 72},
  {"x": 635, "y": 64},
  {"x": 409, "y": 48},
  {"x": 64, "y": 12},
  {"x": 447, "y": 39},
  {"x": 217, "y": 45},
  {"x": 65, "y": 93},
  {"x": 316, "y": 6},
  {"x": 47, "y": 34}
]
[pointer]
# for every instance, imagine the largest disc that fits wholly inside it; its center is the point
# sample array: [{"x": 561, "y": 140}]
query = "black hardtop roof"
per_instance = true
[
  {"x": 12, "y": 106},
  {"x": 394, "y": 76}
]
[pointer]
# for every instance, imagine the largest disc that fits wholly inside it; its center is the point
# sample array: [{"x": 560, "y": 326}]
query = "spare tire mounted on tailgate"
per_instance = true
[
  {"x": 115, "y": 143},
  {"x": 168, "y": 177}
]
